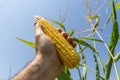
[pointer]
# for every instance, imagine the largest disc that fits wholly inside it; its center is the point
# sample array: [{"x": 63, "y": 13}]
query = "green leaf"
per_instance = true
[
  {"x": 117, "y": 57},
  {"x": 84, "y": 72},
  {"x": 96, "y": 17},
  {"x": 97, "y": 68},
  {"x": 110, "y": 16},
  {"x": 78, "y": 69},
  {"x": 93, "y": 17},
  {"x": 97, "y": 40},
  {"x": 31, "y": 44},
  {"x": 65, "y": 74},
  {"x": 81, "y": 42},
  {"x": 90, "y": 69},
  {"x": 117, "y": 6},
  {"x": 113, "y": 42},
  {"x": 70, "y": 32},
  {"x": 59, "y": 24}
]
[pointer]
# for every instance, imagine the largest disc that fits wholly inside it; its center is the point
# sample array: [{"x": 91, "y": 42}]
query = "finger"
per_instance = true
[
  {"x": 74, "y": 44},
  {"x": 39, "y": 35},
  {"x": 37, "y": 29},
  {"x": 59, "y": 30},
  {"x": 64, "y": 34},
  {"x": 69, "y": 39}
]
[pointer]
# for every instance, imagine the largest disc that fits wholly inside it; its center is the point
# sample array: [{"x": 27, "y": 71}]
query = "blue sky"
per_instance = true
[{"x": 17, "y": 18}]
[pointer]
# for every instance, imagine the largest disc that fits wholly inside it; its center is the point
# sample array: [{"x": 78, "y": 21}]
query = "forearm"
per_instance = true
[{"x": 40, "y": 69}]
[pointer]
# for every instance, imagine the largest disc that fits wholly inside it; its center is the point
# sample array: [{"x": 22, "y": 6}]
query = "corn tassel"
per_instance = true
[{"x": 67, "y": 54}]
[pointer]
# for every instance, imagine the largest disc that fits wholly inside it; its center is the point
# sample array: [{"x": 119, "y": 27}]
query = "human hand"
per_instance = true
[
  {"x": 46, "y": 64},
  {"x": 44, "y": 45},
  {"x": 46, "y": 52}
]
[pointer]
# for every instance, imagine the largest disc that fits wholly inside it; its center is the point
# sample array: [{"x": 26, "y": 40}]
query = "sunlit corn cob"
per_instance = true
[{"x": 67, "y": 54}]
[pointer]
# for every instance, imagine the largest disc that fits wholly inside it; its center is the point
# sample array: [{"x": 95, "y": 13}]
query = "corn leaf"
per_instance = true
[
  {"x": 92, "y": 70},
  {"x": 117, "y": 57},
  {"x": 81, "y": 42},
  {"x": 93, "y": 39},
  {"x": 117, "y": 6},
  {"x": 59, "y": 24},
  {"x": 84, "y": 72},
  {"x": 70, "y": 32},
  {"x": 78, "y": 69},
  {"x": 93, "y": 17},
  {"x": 97, "y": 68},
  {"x": 113, "y": 42},
  {"x": 64, "y": 75},
  {"x": 110, "y": 16},
  {"x": 31, "y": 44}
]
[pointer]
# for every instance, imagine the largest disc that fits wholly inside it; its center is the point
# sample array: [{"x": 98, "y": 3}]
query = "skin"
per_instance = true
[{"x": 46, "y": 65}]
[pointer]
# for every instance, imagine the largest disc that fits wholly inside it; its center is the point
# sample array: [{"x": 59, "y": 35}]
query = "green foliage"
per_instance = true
[
  {"x": 92, "y": 39},
  {"x": 31, "y": 44},
  {"x": 113, "y": 42},
  {"x": 65, "y": 74},
  {"x": 117, "y": 57},
  {"x": 70, "y": 32},
  {"x": 97, "y": 67},
  {"x": 83, "y": 44},
  {"x": 117, "y": 6},
  {"x": 59, "y": 24}
]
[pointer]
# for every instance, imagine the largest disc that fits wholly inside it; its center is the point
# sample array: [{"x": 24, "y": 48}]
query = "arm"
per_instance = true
[{"x": 46, "y": 64}]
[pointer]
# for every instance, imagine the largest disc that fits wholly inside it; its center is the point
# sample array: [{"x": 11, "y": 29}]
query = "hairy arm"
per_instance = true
[
  {"x": 40, "y": 69},
  {"x": 46, "y": 64}
]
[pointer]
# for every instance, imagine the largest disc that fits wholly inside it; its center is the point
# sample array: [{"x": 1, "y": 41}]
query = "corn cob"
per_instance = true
[{"x": 67, "y": 54}]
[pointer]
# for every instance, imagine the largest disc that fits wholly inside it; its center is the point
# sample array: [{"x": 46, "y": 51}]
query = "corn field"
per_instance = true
[{"x": 102, "y": 70}]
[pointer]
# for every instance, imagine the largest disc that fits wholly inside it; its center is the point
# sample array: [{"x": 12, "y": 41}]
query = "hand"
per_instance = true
[
  {"x": 46, "y": 64},
  {"x": 46, "y": 48},
  {"x": 43, "y": 43}
]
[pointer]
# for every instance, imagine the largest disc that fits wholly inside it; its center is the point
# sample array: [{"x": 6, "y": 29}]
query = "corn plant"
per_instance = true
[{"x": 85, "y": 42}]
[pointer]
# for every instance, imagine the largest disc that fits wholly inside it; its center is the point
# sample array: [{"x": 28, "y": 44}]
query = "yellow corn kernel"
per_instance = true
[{"x": 67, "y": 54}]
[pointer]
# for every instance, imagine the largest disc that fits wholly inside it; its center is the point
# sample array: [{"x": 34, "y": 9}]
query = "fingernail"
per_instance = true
[
  {"x": 69, "y": 39},
  {"x": 64, "y": 34},
  {"x": 59, "y": 30},
  {"x": 73, "y": 44}
]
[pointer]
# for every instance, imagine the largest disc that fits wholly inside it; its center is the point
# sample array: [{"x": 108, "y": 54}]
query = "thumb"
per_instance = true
[
  {"x": 37, "y": 30},
  {"x": 42, "y": 42}
]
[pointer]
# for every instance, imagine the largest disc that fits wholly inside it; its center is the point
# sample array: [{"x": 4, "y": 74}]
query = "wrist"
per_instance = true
[{"x": 49, "y": 67}]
